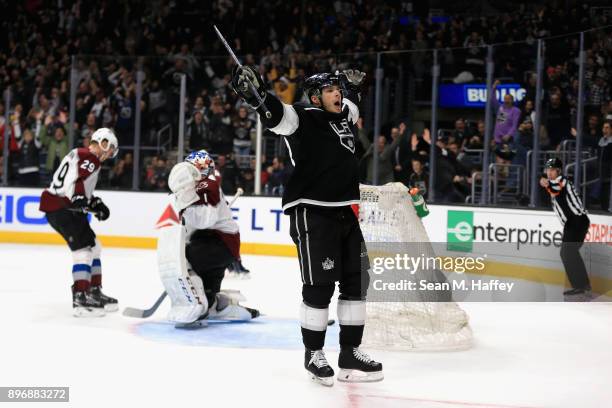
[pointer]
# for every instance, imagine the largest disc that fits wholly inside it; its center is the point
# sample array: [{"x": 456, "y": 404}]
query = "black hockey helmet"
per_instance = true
[
  {"x": 315, "y": 83},
  {"x": 554, "y": 163}
]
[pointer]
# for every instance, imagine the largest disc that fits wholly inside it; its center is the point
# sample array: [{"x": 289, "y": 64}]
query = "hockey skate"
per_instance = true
[
  {"x": 237, "y": 270},
  {"x": 578, "y": 295},
  {"x": 110, "y": 304},
  {"x": 318, "y": 368},
  {"x": 85, "y": 305},
  {"x": 224, "y": 308},
  {"x": 357, "y": 366}
]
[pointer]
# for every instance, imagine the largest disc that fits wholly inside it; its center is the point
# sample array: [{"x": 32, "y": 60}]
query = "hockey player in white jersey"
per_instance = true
[
  {"x": 193, "y": 256},
  {"x": 66, "y": 203}
]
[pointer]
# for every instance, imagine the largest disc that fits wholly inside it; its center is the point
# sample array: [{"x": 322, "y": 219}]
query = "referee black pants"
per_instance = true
[{"x": 574, "y": 232}]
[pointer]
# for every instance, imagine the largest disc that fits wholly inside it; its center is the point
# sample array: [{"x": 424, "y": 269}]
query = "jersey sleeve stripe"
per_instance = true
[
  {"x": 289, "y": 122},
  {"x": 290, "y": 151},
  {"x": 353, "y": 110}
]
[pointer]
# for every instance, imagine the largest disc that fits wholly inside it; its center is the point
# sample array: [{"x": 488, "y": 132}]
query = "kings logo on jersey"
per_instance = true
[{"x": 343, "y": 130}]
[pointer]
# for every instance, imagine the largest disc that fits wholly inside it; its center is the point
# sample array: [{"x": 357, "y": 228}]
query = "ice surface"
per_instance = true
[{"x": 526, "y": 355}]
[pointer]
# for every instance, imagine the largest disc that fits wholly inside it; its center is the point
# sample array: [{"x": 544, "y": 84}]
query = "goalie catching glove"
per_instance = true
[{"x": 240, "y": 85}]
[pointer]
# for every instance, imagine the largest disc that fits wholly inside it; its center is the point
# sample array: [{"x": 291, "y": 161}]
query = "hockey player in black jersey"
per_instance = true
[
  {"x": 572, "y": 215},
  {"x": 318, "y": 198}
]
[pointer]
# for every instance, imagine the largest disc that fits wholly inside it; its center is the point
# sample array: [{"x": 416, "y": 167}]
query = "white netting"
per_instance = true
[{"x": 386, "y": 215}]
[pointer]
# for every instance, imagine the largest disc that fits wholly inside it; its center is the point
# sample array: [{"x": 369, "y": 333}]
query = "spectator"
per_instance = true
[
  {"x": 285, "y": 87},
  {"x": 157, "y": 177},
  {"x": 243, "y": 129},
  {"x": 122, "y": 172},
  {"x": 599, "y": 92},
  {"x": 452, "y": 178},
  {"x": 419, "y": 177},
  {"x": 277, "y": 178},
  {"x": 198, "y": 133},
  {"x": 605, "y": 164},
  {"x": 507, "y": 117},
  {"x": 460, "y": 132},
  {"x": 557, "y": 120},
  {"x": 220, "y": 129},
  {"x": 28, "y": 161},
  {"x": 384, "y": 151},
  {"x": 524, "y": 138},
  {"x": 476, "y": 141},
  {"x": 400, "y": 157},
  {"x": 592, "y": 133},
  {"x": 90, "y": 126},
  {"x": 56, "y": 145},
  {"x": 229, "y": 174}
]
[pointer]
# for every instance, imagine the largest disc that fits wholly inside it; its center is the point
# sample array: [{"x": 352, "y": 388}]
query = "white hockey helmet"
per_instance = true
[
  {"x": 107, "y": 134},
  {"x": 181, "y": 182}
]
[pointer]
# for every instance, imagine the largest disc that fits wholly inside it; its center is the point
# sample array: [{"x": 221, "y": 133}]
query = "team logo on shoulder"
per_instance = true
[
  {"x": 327, "y": 264},
  {"x": 343, "y": 130}
]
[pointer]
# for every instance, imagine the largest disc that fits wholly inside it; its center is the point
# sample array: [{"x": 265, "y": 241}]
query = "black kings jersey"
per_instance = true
[{"x": 321, "y": 147}]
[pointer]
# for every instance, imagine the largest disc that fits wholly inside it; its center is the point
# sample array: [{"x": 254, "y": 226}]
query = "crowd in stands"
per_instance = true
[{"x": 288, "y": 41}]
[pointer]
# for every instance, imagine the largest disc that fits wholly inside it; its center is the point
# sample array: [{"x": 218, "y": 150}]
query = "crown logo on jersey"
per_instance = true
[
  {"x": 327, "y": 264},
  {"x": 343, "y": 130},
  {"x": 168, "y": 218}
]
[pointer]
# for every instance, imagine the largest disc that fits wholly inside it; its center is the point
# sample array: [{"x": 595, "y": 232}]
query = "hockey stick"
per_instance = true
[
  {"x": 253, "y": 89},
  {"x": 133, "y": 312},
  {"x": 239, "y": 192},
  {"x": 82, "y": 210}
]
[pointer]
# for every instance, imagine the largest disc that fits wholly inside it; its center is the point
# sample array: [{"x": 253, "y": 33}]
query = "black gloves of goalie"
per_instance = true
[
  {"x": 241, "y": 86},
  {"x": 99, "y": 209}
]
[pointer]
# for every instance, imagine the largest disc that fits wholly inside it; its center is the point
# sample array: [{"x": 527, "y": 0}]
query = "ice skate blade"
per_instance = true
[
  {"x": 359, "y": 376},
  {"x": 88, "y": 312},
  {"x": 111, "y": 307},
  {"x": 325, "y": 381}
]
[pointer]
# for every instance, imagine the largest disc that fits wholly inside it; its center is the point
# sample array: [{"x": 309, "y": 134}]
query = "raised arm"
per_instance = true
[
  {"x": 350, "y": 81},
  {"x": 283, "y": 120}
]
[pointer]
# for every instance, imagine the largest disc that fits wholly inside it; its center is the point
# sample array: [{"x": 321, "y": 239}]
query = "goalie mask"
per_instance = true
[{"x": 203, "y": 161}]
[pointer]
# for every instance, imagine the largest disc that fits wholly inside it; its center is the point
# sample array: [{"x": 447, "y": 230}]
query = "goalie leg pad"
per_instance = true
[{"x": 186, "y": 292}]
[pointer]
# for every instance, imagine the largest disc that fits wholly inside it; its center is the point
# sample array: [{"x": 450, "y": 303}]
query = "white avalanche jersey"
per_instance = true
[
  {"x": 77, "y": 174},
  {"x": 211, "y": 212}
]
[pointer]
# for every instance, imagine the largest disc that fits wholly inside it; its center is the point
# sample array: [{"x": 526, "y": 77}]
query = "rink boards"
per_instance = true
[{"x": 525, "y": 238}]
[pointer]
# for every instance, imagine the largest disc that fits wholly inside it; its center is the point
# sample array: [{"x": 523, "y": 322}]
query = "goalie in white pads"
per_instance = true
[{"x": 193, "y": 256}]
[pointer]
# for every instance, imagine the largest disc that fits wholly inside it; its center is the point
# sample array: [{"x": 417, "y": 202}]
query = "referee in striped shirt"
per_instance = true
[{"x": 575, "y": 221}]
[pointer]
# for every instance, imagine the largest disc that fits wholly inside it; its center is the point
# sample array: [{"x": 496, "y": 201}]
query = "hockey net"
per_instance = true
[{"x": 386, "y": 215}]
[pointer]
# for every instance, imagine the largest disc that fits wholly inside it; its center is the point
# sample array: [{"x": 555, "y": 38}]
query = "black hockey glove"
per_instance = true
[
  {"x": 99, "y": 209},
  {"x": 351, "y": 80},
  {"x": 79, "y": 202},
  {"x": 241, "y": 86}
]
